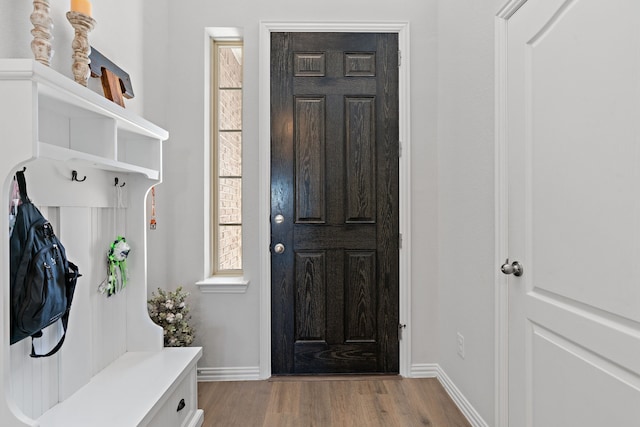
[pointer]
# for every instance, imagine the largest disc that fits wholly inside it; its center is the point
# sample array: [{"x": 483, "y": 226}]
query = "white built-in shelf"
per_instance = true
[
  {"x": 92, "y": 129},
  {"x": 57, "y": 88},
  {"x": 54, "y": 152}
]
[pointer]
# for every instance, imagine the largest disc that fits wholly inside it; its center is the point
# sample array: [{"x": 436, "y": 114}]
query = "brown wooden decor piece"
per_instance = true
[
  {"x": 111, "y": 87},
  {"x": 116, "y": 83}
]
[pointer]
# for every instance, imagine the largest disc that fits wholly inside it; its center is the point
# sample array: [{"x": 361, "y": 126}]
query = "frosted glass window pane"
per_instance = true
[
  {"x": 230, "y": 67},
  {"x": 230, "y": 248},
  {"x": 230, "y": 154},
  {"x": 230, "y": 109},
  {"x": 230, "y": 201}
]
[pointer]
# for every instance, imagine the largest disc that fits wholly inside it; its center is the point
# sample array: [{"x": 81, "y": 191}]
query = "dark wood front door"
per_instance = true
[{"x": 334, "y": 203}]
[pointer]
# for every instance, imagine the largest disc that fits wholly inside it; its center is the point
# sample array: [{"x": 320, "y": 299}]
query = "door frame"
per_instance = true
[
  {"x": 264, "y": 67},
  {"x": 501, "y": 224}
]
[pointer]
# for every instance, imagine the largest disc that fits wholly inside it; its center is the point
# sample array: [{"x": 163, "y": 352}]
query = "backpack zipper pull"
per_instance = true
[{"x": 47, "y": 268}]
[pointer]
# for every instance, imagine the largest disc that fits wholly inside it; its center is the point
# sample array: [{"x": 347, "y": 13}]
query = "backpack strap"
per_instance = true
[
  {"x": 22, "y": 187},
  {"x": 72, "y": 277},
  {"x": 65, "y": 321}
]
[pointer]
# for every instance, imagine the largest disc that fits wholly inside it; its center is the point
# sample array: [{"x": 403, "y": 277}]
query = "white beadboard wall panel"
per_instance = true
[
  {"x": 97, "y": 333},
  {"x": 50, "y": 381},
  {"x": 108, "y": 313},
  {"x": 34, "y": 382},
  {"x": 98, "y": 273},
  {"x": 45, "y": 385},
  {"x": 75, "y": 360}
]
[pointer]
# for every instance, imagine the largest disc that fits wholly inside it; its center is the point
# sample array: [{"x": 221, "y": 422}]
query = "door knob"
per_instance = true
[
  {"x": 279, "y": 219},
  {"x": 514, "y": 268},
  {"x": 278, "y": 248}
]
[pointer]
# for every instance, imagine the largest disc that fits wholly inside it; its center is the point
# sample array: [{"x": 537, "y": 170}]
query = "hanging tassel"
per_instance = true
[{"x": 152, "y": 223}]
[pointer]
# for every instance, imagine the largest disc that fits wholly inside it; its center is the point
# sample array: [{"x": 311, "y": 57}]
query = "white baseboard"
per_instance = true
[
  {"x": 424, "y": 370},
  {"x": 249, "y": 373},
  {"x": 433, "y": 370}
]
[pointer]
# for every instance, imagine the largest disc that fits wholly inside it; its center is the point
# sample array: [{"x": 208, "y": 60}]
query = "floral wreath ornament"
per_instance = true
[{"x": 117, "y": 267}]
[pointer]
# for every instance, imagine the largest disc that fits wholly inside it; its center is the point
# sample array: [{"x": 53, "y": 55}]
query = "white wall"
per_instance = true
[
  {"x": 228, "y": 325},
  {"x": 466, "y": 196},
  {"x": 117, "y": 35}
]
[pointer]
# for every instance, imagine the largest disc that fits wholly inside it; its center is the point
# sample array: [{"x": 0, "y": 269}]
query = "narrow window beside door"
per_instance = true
[{"x": 226, "y": 149}]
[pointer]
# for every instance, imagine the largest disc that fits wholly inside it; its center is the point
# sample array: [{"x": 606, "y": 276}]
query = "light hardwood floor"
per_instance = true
[{"x": 303, "y": 402}]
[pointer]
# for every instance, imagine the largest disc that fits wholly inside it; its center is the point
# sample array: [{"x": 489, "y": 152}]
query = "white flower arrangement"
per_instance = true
[{"x": 169, "y": 310}]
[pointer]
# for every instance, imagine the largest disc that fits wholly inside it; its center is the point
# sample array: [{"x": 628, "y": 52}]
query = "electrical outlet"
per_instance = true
[{"x": 460, "y": 342}]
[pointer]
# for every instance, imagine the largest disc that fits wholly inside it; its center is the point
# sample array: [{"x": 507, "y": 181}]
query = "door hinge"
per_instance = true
[
  {"x": 399, "y": 58},
  {"x": 401, "y": 326}
]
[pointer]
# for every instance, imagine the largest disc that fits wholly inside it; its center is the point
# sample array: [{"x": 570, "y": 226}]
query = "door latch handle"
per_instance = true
[{"x": 514, "y": 268}]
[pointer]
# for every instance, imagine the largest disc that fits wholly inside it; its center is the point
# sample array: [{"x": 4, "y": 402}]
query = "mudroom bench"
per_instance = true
[
  {"x": 139, "y": 389},
  {"x": 112, "y": 369}
]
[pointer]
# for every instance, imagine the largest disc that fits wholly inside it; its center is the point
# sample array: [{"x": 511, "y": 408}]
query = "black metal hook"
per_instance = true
[
  {"x": 74, "y": 177},
  {"x": 24, "y": 169},
  {"x": 116, "y": 183}
]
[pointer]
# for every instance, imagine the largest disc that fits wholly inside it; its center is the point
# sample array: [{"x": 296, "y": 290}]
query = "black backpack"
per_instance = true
[{"x": 42, "y": 279}]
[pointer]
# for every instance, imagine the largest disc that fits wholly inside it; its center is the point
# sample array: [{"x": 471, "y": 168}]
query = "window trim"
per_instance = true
[
  {"x": 230, "y": 277},
  {"x": 215, "y": 177},
  {"x": 223, "y": 285}
]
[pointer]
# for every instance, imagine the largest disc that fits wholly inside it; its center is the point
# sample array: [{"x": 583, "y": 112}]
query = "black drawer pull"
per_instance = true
[{"x": 181, "y": 405}]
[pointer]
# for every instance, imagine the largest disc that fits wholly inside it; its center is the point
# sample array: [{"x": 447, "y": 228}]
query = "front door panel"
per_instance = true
[{"x": 335, "y": 182}]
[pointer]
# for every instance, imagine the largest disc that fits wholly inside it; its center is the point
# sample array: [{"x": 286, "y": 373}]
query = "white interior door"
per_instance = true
[{"x": 573, "y": 141}]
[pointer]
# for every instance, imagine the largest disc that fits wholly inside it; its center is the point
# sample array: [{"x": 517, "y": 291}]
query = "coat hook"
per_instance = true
[
  {"x": 74, "y": 177},
  {"x": 116, "y": 184},
  {"x": 24, "y": 169}
]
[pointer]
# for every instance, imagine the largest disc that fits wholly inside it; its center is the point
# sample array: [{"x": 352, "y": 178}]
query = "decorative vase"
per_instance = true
[{"x": 42, "y": 26}]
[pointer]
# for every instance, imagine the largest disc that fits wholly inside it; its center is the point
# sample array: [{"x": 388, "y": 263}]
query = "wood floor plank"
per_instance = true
[
  {"x": 371, "y": 402},
  {"x": 251, "y": 398}
]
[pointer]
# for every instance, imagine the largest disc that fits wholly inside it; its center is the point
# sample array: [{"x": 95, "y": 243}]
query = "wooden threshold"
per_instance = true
[{"x": 341, "y": 377}]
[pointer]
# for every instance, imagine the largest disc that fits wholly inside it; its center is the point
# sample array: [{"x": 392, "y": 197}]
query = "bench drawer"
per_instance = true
[{"x": 180, "y": 407}]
